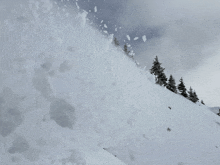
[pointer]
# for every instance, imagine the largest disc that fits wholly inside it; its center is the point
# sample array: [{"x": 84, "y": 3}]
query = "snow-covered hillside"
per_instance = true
[{"x": 68, "y": 96}]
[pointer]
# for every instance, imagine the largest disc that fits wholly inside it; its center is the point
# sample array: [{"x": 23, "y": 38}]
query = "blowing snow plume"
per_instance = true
[{"x": 68, "y": 96}]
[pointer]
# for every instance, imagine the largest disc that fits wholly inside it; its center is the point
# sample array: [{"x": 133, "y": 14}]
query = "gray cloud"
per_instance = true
[{"x": 189, "y": 32}]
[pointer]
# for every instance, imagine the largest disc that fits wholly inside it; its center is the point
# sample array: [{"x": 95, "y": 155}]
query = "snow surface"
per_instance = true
[
  {"x": 69, "y": 97},
  {"x": 144, "y": 38}
]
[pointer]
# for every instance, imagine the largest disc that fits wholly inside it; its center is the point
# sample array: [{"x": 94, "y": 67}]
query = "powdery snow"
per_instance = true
[
  {"x": 68, "y": 96},
  {"x": 144, "y": 38},
  {"x": 77, "y": 5},
  {"x": 95, "y": 9},
  {"x": 128, "y": 37}
]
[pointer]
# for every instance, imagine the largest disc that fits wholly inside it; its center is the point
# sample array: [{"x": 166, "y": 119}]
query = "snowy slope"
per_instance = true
[
  {"x": 214, "y": 109},
  {"x": 68, "y": 96}
]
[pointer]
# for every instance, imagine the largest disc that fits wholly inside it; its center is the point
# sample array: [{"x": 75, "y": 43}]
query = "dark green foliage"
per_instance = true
[
  {"x": 195, "y": 97},
  {"x": 156, "y": 68},
  {"x": 158, "y": 71},
  {"x": 162, "y": 79},
  {"x": 116, "y": 42},
  {"x": 171, "y": 84},
  {"x": 192, "y": 95},
  {"x": 182, "y": 89},
  {"x": 202, "y": 102}
]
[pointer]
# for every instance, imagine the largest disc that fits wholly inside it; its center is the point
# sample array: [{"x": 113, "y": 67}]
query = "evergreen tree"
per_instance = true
[
  {"x": 171, "y": 84},
  {"x": 202, "y": 102},
  {"x": 158, "y": 71},
  {"x": 193, "y": 96},
  {"x": 116, "y": 42},
  {"x": 156, "y": 68},
  {"x": 162, "y": 79},
  {"x": 182, "y": 89}
]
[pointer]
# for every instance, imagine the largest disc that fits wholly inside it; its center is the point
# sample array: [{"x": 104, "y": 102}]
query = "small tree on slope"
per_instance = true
[
  {"x": 195, "y": 97},
  {"x": 182, "y": 89},
  {"x": 158, "y": 71},
  {"x": 162, "y": 79},
  {"x": 116, "y": 42},
  {"x": 171, "y": 84},
  {"x": 192, "y": 95}
]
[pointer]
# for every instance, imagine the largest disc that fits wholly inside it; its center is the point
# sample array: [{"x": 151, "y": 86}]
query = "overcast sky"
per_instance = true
[{"x": 184, "y": 34}]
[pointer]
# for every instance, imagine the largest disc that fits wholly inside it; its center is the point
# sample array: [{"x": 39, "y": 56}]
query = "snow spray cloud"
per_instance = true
[
  {"x": 186, "y": 27},
  {"x": 189, "y": 34}
]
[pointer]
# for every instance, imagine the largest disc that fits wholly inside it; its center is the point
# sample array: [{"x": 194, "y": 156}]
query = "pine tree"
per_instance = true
[
  {"x": 116, "y": 42},
  {"x": 182, "y": 89},
  {"x": 158, "y": 71},
  {"x": 162, "y": 79},
  {"x": 156, "y": 68},
  {"x": 171, "y": 84},
  {"x": 202, "y": 102},
  {"x": 193, "y": 96}
]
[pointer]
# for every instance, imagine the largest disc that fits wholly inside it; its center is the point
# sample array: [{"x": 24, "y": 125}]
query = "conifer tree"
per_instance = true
[
  {"x": 162, "y": 79},
  {"x": 193, "y": 96},
  {"x": 116, "y": 42},
  {"x": 158, "y": 71},
  {"x": 156, "y": 68},
  {"x": 182, "y": 89},
  {"x": 171, "y": 84}
]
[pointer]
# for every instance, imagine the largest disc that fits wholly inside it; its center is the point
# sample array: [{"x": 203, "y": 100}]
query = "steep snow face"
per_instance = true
[{"x": 68, "y": 96}]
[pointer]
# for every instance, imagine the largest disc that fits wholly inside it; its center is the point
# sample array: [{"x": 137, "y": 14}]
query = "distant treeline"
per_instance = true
[{"x": 161, "y": 79}]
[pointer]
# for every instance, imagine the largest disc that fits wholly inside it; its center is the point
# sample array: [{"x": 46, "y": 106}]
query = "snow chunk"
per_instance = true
[
  {"x": 128, "y": 37},
  {"x": 105, "y": 26},
  {"x": 95, "y": 9},
  {"x": 77, "y": 5},
  {"x": 144, "y": 38},
  {"x": 105, "y": 31},
  {"x": 136, "y": 38},
  {"x": 116, "y": 29},
  {"x": 101, "y": 21}
]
